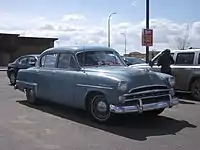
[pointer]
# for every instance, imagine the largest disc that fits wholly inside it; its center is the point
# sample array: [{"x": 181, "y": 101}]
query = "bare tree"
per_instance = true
[{"x": 183, "y": 41}]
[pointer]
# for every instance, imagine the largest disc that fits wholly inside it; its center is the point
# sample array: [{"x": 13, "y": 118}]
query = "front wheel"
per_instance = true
[{"x": 99, "y": 108}]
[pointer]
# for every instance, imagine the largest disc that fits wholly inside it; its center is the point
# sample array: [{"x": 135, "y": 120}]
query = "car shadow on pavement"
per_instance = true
[{"x": 129, "y": 126}]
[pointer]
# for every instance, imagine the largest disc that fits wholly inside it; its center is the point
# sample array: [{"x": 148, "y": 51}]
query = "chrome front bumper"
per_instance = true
[{"x": 146, "y": 107}]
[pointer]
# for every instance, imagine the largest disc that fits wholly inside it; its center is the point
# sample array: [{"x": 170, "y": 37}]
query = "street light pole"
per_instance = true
[
  {"x": 147, "y": 27},
  {"x": 113, "y": 13},
  {"x": 124, "y": 42}
]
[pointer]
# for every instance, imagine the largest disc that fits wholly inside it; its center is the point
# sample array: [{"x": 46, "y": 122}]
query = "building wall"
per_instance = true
[
  {"x": 5, "y": 58},
  {"x": 30, "y": 49},
  {"x": 12, "y": 46}
]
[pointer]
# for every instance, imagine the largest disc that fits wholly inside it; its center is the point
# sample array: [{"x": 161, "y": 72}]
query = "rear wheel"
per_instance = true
[
  {"x": 12, "y": 78},
  {"x": 99, "y": 108},
  {"x": 31, "y": 97},
  {"x": 195, "y": 89}
]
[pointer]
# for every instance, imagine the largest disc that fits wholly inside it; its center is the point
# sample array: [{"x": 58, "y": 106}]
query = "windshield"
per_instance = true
[
  {"x": 99, "y": 58},
  {"x": 133, "y": 60}
]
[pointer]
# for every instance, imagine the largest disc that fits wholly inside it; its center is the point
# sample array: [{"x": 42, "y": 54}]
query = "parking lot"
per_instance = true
[{"x": 51, "y": 127}]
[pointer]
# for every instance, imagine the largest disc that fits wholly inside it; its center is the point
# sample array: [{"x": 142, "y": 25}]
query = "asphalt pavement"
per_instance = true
[{"x": 52, "y": 127}]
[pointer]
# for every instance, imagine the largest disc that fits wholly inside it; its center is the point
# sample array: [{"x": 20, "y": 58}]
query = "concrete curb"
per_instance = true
[{"x": 3, "y": 69}]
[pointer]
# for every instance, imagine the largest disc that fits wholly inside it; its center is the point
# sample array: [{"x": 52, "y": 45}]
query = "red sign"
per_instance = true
[{"x": 147, "y": 37}]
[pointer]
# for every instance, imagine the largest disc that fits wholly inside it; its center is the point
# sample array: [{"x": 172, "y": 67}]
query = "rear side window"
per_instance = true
[
  {"x": 49, "y": 60},
  {"x": 23, "y": 61},
  {"x": 185, "y": 58},
  {"x": 66, "y": 61},
  {"x": 32, "y": 60},
  {"x": 199, "y": 59}
]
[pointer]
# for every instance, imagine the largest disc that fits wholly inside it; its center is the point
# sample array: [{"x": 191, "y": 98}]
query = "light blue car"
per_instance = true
[{"x": 96, "y": 79}]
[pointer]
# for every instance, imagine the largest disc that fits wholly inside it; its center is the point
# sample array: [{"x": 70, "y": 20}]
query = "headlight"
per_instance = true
[
  {"x": 122, "y": 86},
  {"x": 171, "y": 81}
]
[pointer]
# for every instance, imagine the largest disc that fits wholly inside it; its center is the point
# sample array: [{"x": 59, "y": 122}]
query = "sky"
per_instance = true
[{"x": 84, "y": 22}]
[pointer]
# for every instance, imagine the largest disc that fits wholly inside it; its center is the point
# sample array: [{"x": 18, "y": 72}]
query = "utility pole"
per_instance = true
[{"x": 147, "y": 27}]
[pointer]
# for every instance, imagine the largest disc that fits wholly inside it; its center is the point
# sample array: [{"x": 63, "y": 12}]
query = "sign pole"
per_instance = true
[{"x": 147, "y": 27}]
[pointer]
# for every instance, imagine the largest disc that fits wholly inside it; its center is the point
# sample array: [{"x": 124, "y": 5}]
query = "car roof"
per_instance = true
[
  {"x": 76, "y": 49},
  {"x": 34, "y": 55}
]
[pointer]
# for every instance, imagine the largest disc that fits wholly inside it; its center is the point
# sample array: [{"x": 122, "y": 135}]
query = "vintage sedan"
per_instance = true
[{"x": 96, "y": 79}]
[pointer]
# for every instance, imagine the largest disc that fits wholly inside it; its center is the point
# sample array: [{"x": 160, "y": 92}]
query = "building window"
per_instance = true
[{"x": 185, "y": 58}]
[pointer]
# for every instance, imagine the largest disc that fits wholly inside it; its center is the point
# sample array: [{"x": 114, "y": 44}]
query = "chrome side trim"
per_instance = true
[
  {"x": 141, "y": 108},
  {"x": 95, "y": 86}
]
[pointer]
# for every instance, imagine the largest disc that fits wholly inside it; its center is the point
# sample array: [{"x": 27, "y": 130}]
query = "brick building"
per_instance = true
[
  {"x": 143, "y": 55},
  {"x": 14, "y": 45}
]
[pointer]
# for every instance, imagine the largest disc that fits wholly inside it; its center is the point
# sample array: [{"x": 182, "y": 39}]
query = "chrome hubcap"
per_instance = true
[{"x": 101, "y": 107}]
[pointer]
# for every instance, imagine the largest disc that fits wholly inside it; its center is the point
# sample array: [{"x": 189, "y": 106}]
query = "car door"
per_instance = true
[
  {"x": 45, "y": 72},
  {"x": 183, "y": 69},
  {"x": 63, "y": 81}
]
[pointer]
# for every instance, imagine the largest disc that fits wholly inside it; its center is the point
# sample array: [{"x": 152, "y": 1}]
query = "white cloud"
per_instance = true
[
  {"x": 73, "y": 17},
  {"x": 74, "y": 29},
  {"x": 134, "y": 3}
]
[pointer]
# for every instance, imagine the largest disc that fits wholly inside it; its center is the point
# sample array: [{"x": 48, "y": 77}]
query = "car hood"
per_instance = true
[
  {"x": 135, "y": 77},
  {"x": 145, "y": 65}
]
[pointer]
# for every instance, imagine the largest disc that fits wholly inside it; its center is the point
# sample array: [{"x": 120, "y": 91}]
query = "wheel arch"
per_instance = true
[{"x": 192, "y": 81}]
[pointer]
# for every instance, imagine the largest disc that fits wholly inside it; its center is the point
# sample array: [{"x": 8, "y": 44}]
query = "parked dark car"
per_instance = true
[
  {"x": 22, "y": 62},
  {"x": 132, "y": 60}
]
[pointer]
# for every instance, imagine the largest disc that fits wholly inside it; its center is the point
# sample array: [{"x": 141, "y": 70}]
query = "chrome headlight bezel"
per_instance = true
[
  {"x": 122, "y": 86},
  {"x": 171, "y": 81}
]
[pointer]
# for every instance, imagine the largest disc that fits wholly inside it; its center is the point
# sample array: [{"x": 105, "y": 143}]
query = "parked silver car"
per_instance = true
[
  {"x": 96, "y": 79},
  {"x": 186, "y": 70}
]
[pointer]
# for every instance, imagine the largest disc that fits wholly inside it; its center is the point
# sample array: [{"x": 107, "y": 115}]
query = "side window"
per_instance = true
[
  {"x": 185, "y": 58},
  {"x": 32, "y": 60},
  {"x": 49, "y": 61},
  {"x": 199, "y": 59},
  {"x": 23, "y": 61},
  {"x": 66, "y": 61}
]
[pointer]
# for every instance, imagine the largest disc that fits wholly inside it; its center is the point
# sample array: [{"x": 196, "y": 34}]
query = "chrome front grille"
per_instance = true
[{"x": 148, "y": 94}]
